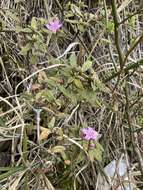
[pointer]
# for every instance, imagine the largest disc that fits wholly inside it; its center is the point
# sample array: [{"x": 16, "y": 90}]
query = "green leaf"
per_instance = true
[
  {"x": 2, "y": 122},
  {"x": 34, "y": 23},
  {"x": 110, "y": 27},
  {"x": 89, "y": 96},
  {"x": 87, "y": 65},
  {"x": 25, "y": 49},
  {"x": 49, "y": 95},
  {"x": 80, "y": 157},
  {"x": 96, "y": 153},
  {"x": 81, "y": 28},
  {"x": 98, "y": 84},
  {"x": 33, "y": 59},
  {"x": 78, "y": 84},
  {"x": 73, "y": 60},
  {"x": 20, "y": 29},
  {"x": 46, "y": 95},
  {"x": 132, "y": 21},
  {"x": 64, "y": 156},
  {"x": 52, "y": 123},
  {"x": 68, "y": 94},
  {"x": 52, "y": 81}
]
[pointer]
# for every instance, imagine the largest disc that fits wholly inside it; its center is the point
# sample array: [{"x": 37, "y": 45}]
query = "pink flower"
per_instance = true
[
  {"x": 54, "y": 25},
  {"x": 90, "y": 134}
]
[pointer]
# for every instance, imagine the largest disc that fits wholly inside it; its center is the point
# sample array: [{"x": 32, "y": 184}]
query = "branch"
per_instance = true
[
  {"x": 116, "y": 33},
  {"x": 128, "y": 68}
]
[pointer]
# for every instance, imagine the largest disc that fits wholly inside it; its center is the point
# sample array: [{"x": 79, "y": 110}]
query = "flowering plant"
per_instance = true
[
  {"x": 54, "y": 25},
  {"x": 90, "y": 134}
]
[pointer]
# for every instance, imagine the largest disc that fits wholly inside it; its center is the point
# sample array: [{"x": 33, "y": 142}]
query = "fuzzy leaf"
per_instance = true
[{"x": 87, "y": 65}]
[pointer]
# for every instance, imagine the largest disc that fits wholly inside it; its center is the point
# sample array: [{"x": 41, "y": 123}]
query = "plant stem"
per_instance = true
[
  {"x": 130, "y": 16},
  {"x": 116, "y": 33},
  {"x": 128, "y": 68},
  {"x": 134, "y": 45}
]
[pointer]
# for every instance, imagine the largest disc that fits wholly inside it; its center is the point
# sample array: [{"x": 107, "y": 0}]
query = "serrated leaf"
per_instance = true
[{"x": 87, "y": 65}]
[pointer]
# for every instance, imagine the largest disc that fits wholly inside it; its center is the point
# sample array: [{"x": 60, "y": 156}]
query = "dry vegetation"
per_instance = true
[{"x": 87, "y": 74}]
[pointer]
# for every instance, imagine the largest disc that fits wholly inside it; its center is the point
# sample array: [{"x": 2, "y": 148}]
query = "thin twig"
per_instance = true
[{"x": 116, "y": 33}]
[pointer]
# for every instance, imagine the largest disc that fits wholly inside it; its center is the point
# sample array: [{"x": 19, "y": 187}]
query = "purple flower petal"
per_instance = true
[
  {"x": 89, "y": 134},
  {"x": 54, "y": 25}
]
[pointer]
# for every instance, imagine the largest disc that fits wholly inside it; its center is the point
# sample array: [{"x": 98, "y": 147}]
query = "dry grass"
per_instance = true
[{"x": 46, "y": 97}]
